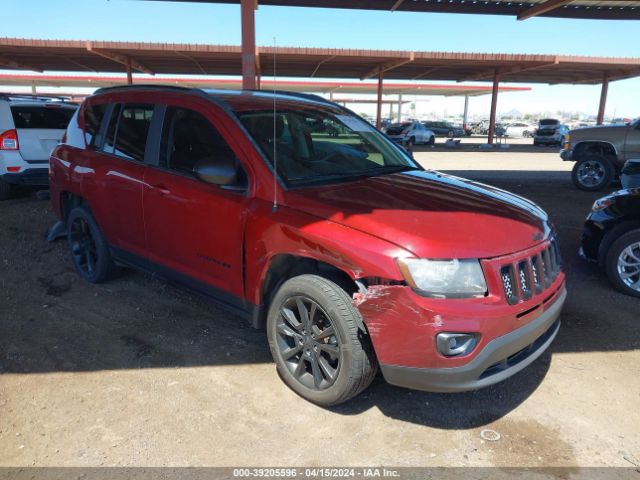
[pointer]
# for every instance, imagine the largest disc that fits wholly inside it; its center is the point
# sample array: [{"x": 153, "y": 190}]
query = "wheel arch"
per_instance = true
[
  {"x": 285, "y": 266},
  {"x": 612, "y": 235},
  {"x": 69, "y": 201},
  {"x": 598, "y": 147}
]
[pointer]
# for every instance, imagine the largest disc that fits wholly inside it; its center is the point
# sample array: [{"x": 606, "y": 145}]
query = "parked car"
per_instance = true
[
  {"x": 550, "y": 132},
  {"x": 520, "y": 130},
  {"x": 410, "y": 132},
  {"x": 600, "y": 153},
  {"x": 353, "y": 256},
  {"x": 482, "y": 128},
  {"x": 444, "y": 129},
  {"x": 611, "y": 238},
  {"x": 29, "y": 129},
  {"x": 630, "y": 174}
]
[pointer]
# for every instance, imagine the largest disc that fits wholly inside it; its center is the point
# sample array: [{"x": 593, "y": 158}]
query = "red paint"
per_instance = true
[{"x": 359, "y": 227}]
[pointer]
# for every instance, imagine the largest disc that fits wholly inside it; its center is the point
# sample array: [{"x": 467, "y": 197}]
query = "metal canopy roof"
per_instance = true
[
  {"x": 236, "y": 84},
  {"x": 92, "y": 56},
  {"x": 590, "y": 9}
]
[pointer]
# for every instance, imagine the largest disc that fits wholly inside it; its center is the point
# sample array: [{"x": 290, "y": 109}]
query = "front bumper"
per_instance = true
[
  {"x": 547, "y": 140},
  {"x": 499, "y": 359},
  {"x": 36, "y": 177},
  {"x": 566, "y": 155}
]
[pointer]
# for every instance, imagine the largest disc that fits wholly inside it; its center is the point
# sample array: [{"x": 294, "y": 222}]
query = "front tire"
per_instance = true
[
  {"x": 89, "y": 248},
  {"x": 623, "y": 263},
  {"x": 592, "y": 173},
  {"x": 5, "y": 190},
  {"x": 319, "y": 349},
  {"x": 432, "y": 140}
]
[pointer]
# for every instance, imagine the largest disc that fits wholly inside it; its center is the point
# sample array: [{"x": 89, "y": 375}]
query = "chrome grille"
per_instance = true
[{"x": 530, "y": 276}]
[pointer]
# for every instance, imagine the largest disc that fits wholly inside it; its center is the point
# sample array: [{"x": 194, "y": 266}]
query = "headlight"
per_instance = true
[
  {"x": 602, "y": 203},
  {"x": 444, "y": 278}
]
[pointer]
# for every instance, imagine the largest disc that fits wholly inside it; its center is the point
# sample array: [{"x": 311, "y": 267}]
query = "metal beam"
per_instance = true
[
  {"x": 506, "y": 71},
  {"x": 7, "y": 62},
  {"x": 542, "y": 8},
  {"x": 385, "y": 67},
  {"x": 465, "y": 114},
  {"x": 129, "y": 72},
  {"x": 247, "y": 8},
  {"x": 397, "y": 5},
  {"x": 118, "y": 58},
  {"x": 379, "y": 106},
  {"x": 494, "y": 103},
  {"x": 324, "y": 60},
  {"x": 258, "y": 64},
  {"x": 190, "y": 58},
  {"x": 603, "y": 99},
  {"x": 426, "y": 72}
]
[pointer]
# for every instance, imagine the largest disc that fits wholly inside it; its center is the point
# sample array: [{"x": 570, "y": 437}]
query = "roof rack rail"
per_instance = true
[
  {"x": 308, "y": 96},
  {"x": 27, "y": 96},
  {"x": 142, "y": 86}
]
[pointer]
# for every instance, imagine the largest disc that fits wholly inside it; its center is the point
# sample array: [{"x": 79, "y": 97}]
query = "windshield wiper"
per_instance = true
[{"x": 372, "y": 172}]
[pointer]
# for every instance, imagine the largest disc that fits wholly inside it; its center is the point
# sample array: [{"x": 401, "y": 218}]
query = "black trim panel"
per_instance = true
[{"x": 229, "y": 302}]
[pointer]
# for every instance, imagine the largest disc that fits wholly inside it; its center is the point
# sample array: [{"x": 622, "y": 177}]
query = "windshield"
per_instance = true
[
  {"x": 315, "y": 146},
  {"x": 549, "y": 123}
]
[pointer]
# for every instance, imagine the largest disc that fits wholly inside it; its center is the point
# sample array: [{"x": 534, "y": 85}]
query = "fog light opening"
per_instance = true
[{"x": 456, "y": 344}]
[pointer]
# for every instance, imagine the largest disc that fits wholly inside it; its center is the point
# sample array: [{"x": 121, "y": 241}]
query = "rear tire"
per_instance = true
[
  {"x": 319, "y": 347},
  {"x": 592, "y": 173},
  {"x": 89, "y": 248},
  {"x": 623, "y": 263},
  {"x": 5, "y": 190}
]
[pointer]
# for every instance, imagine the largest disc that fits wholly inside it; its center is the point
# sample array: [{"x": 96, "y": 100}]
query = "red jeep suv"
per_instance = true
[{"x": 295, "y": 213}]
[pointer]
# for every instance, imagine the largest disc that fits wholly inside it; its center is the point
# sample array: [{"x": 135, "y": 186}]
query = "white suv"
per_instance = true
[{"x": 30, "y": 127}]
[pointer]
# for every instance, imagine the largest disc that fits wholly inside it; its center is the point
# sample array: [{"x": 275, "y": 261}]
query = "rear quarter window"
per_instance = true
[
  {"x": 45, "y": 117},
  {"x": 93, "y": 115}
]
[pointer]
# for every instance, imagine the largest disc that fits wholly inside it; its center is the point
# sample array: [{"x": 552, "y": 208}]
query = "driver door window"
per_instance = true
[{"x": 188, "y": 137}]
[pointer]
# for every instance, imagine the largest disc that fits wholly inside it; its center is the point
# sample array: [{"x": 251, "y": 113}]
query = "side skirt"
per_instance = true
[{"x": 220, "y": 298}]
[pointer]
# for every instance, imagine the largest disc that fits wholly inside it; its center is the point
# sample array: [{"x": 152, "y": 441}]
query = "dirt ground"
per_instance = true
[{"x": 137, "y": 372}]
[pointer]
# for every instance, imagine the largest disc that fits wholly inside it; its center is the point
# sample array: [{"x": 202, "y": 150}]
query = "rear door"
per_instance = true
[
  {"x": 117, "y": 167},
  {"x": 40, "y": 127}
]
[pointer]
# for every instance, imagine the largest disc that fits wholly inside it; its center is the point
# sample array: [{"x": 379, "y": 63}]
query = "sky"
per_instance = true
[{"x": 151, "y": 21}]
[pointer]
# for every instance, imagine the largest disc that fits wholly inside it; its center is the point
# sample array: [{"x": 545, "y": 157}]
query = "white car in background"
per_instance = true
[
  {"x": 30, "y": 127},
  {"x": 520, "y": 130},
  {"x": 410, "y": 132}
]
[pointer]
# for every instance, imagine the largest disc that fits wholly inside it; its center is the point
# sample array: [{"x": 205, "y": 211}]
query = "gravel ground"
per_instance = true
[{"x": 137, "y": 372}]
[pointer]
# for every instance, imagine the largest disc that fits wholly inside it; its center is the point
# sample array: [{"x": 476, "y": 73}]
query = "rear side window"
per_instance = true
[
  {"x": 128, "y": 130},
  {"x": 44, "y": 117},
  {"x": 93, "y": 115},
  {"x": 188, "y": 137}
]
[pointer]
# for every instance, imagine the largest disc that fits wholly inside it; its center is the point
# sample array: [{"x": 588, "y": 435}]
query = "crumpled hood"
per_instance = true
[{"x": 432, "y": 215}]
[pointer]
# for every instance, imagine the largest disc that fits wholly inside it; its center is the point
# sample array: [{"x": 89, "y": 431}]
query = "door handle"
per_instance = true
[{"x": 161, "y": 189}]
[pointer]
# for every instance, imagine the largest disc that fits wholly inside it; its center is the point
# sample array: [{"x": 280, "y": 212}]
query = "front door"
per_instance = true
[
  {"x": 632, "y": 143},
  {"x": 193, "y": 228}
]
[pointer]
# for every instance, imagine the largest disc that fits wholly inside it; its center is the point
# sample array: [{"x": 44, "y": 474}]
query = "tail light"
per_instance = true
[{"x": 9, "y": 140}]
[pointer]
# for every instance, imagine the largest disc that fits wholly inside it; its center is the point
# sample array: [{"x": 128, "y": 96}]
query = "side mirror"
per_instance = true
[{"x": 216, "y": 170}]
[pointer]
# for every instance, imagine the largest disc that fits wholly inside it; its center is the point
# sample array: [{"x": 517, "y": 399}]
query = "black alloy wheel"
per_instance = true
[
  {"x": 89, "y": 249},
  {"x": 308, "y": 343},
  {"x": 83, "y": 246}
]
